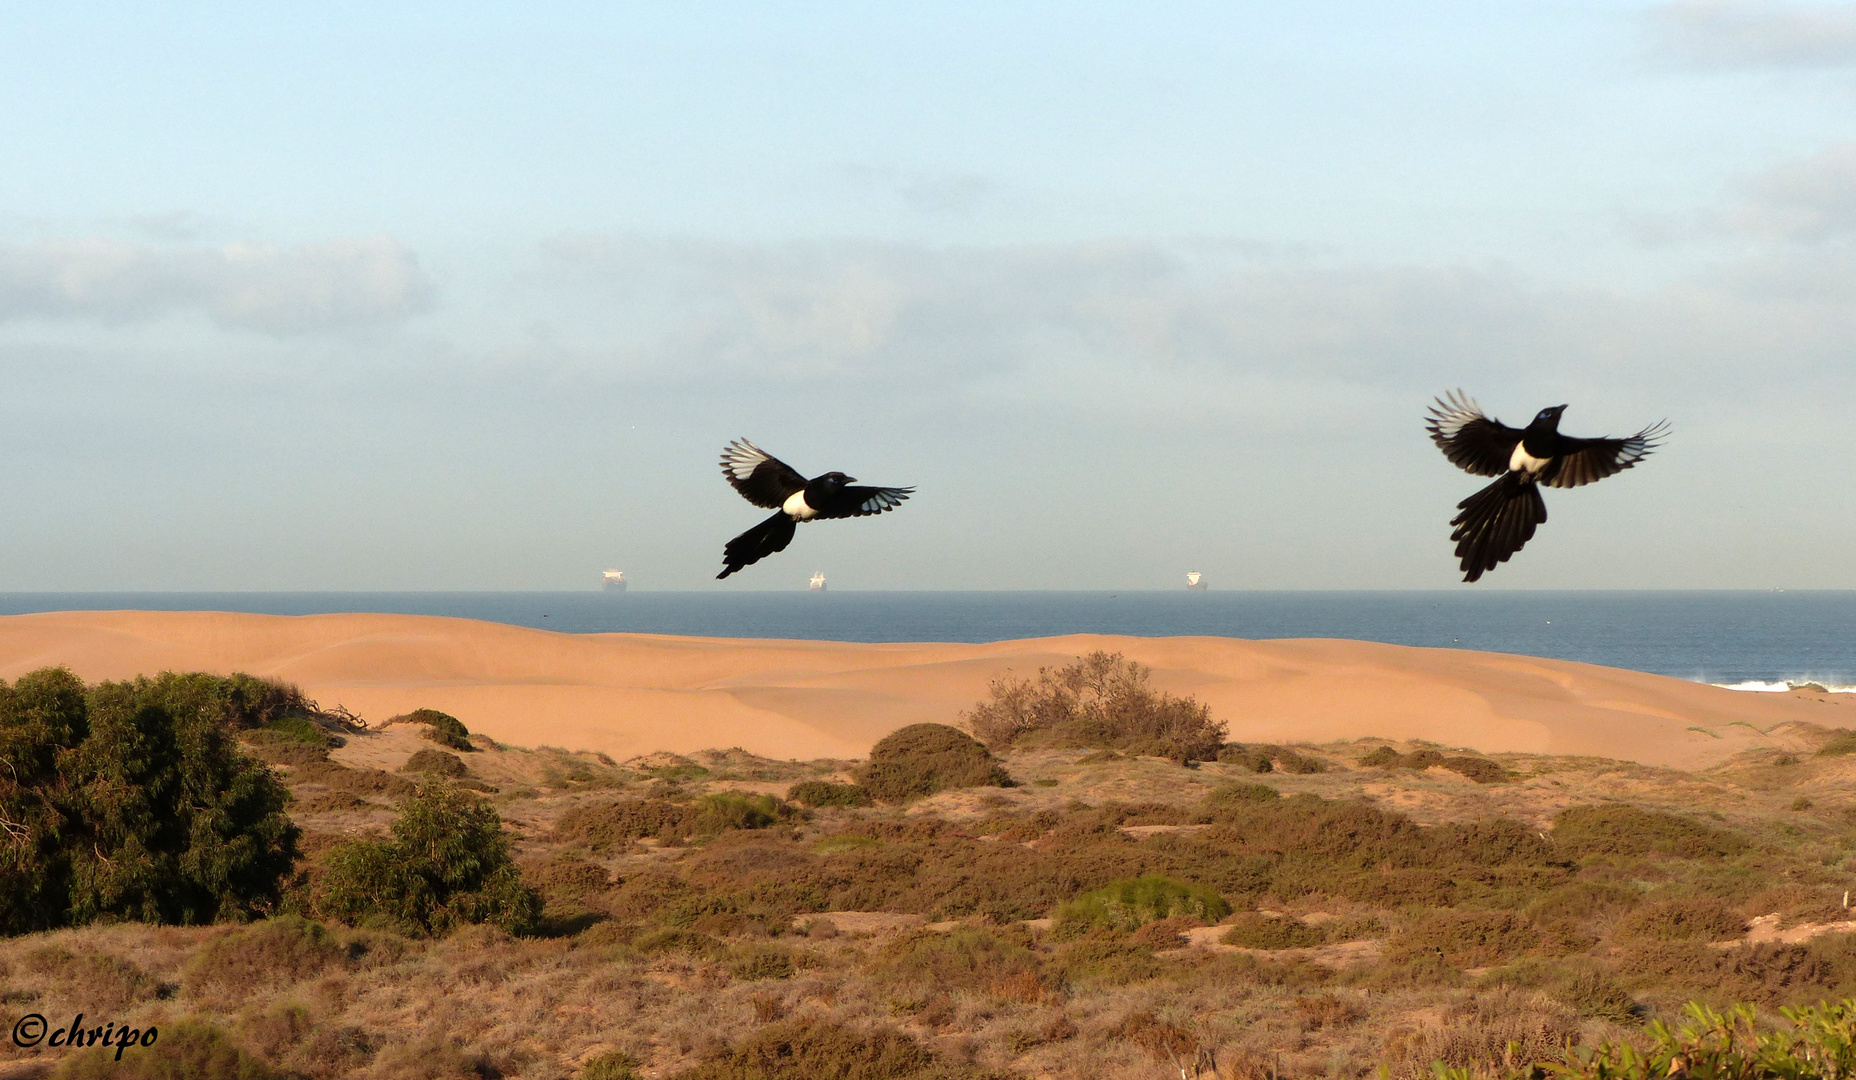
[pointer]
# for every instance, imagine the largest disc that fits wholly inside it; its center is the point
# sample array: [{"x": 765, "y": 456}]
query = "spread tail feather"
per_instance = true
[
  {"x": 1495, "y": 522},
  {"x": 757, "y": 543}
]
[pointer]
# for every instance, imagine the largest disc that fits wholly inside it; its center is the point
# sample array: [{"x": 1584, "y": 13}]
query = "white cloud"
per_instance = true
[
  {"x": 263, "y": 287},
  {"x": 1754, "y": 33}
]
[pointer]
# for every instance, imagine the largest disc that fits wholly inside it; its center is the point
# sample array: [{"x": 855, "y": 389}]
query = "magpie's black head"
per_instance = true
[
  {"x": 1549, "y": 416},
  {"x": 836, "y": 479}
]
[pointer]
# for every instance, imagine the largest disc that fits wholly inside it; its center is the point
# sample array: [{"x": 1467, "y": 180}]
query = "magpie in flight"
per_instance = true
[
  {"x": 1496, "y": 521},
  {"x": 765, "y": 480}
]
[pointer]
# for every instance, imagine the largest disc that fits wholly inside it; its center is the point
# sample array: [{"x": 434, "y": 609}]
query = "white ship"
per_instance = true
[
  {"x": 818, "y": 582},
  {"x": 1195, "y": 581},
  {"x": 615, "y": 580}
]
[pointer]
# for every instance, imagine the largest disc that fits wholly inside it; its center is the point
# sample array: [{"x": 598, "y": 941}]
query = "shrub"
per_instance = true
[
  {"x": 725, "y": 810},
  {"x": 131, "y": 800},
  {"x": 1254, "y": 930},
  {"x": 186, "y": 1050},
  {"x": 1619, "y": 829},
  {"x": 442, "y": 728},
  {"x": 446, "y": 864},
  {"x": 970, "y": 958},
  {"x": 613, "y": 1065},
  {"x": 234, "y": 967},
  {"x": 602, "y": 826},
  {"x": 817, "y": 793},
  {"x": 922, "y": 759},
  {"x": 815, "y": 1048},
  {"x": 1250, "y": 759},
  {"x": 1131, "y": 903},
  {"x": 1234, "y": 796},
  {"x": 1102, "y": 700},
  {"x": 1682, "y": 920},
  {"x": 1481, "y": 770},
  {"x": 434, "y": 763},
  {"x": 1843, "y": 742},
  {"x": 1466, "y": 939},
  {"x": 762, "y": 963}
]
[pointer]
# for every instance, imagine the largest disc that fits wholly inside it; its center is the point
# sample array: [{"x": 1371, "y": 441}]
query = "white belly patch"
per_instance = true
[
  {"x": 1522, "y": 461},
  {"x": 797, "y": 508}
]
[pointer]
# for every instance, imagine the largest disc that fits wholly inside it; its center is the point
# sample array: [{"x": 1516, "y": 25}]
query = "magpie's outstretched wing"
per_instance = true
[
  {"x": 761, "y": 478},
  {"x": 1587, "y": 460},
  {"x": 858, "y": 501},
  {"x": 1472, "y": 441}
]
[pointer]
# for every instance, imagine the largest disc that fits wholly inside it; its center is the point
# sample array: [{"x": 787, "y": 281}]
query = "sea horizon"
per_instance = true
[{"x": 1746, "y": 639}]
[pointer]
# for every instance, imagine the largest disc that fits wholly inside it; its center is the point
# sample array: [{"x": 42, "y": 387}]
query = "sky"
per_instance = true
[{"x": 389, "y": 296}]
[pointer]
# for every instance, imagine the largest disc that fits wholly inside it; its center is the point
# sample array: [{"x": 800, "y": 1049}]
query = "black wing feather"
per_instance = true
[
  {"x": 761, "y": 478},
  {"x": 1588, "y": 460},
  {"x": 1472, "y": 441},
  {"x": 861, "y": 501}
]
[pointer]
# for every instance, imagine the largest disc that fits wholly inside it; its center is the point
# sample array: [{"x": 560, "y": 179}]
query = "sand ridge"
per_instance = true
[{"x": 629, "y": 694}]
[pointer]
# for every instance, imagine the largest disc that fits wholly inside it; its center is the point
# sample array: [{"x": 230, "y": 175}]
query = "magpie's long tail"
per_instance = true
[
  {"x": 1495, "y": 522},
  {"x": 757, "y": 543}
]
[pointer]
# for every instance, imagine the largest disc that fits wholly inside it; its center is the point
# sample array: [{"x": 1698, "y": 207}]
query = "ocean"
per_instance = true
[{"x": 1747, "y": 640}]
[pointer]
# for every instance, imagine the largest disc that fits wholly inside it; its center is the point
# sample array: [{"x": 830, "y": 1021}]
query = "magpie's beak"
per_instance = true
[
  {"x": 1557, "y": 409},
  {"x": 850, "y": 479}
]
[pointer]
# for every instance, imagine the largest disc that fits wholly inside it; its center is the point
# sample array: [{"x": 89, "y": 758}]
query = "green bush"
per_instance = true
[
  {"x": 442, "y": 728},
  {"x": 817, "y": 793},
  {"x": 132, "y": 800},
  {"x": 1102, "y": 700},
  {"x": 922, "y": 759},
  {"x": 446, "y": 864},
  {"x": 1817, "y": 1043},
  {"x": 1132, "y": 903}
]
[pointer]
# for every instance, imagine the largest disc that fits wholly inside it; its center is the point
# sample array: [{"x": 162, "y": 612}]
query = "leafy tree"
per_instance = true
[
  {"x": 446, "y": 864},
  {"x": 132, "y": 801}
]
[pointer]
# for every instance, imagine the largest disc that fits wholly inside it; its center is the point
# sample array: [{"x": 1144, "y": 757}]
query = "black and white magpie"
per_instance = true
[
  {"x": 765, "y": 480},
  {"x": 1496, "y": 521}
]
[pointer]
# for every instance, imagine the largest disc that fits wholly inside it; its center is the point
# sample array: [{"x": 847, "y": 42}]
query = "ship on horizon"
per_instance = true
[
  {"x": 1195, "y": 581},
  {"x": 614, "y": 580},
  {"x": 818, "y": 582}
]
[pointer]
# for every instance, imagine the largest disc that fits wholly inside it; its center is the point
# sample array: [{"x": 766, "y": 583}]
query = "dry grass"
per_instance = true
[{"x": 1392, "y": 916}]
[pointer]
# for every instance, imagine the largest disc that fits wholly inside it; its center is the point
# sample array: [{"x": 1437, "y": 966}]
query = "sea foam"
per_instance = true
[{"x": 1759, "y": 687}]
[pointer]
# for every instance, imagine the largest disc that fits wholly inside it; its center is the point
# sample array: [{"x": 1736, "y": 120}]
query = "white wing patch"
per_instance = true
[
  {"x": 1452, "y": 412},
  {"x": 742, "y": 458},
  {"x": 883, "y": 500}
]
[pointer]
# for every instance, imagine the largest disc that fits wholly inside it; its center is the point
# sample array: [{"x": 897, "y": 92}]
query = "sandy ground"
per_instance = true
[{"x": 629, "y": 694}]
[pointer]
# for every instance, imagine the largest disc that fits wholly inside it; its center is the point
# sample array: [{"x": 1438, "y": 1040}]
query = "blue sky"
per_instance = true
[{"x": 378, "y": 296}]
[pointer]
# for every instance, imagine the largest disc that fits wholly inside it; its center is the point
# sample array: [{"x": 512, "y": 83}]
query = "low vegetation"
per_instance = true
[
  {"x": 923, "y": 759},
  {"x": 547, "y": 914}
]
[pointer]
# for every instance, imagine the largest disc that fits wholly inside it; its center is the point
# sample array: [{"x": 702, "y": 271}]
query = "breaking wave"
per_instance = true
[{"x": 1759, "y": 687}]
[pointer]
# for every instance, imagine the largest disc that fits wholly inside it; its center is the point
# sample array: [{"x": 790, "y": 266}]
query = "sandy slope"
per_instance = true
[{"x": 628, "y": 694}]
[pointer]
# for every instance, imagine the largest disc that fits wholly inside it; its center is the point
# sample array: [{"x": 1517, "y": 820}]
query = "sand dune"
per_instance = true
[{"x": 628, "y": 694}]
